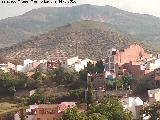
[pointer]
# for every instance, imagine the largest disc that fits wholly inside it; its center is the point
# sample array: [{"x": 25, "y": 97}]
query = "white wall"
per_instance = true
[
  {"x": 27, "y": 61},
  {"x": 157, "y": 63},
  {"x": 132, "y": 102},
  {"x": 83, "y": 63},
  {"x": 71, "y": 60},
  {"x": 19, "y": 68},
  {"x": 43, "y": 61},
  {"x": 16, "y": 117},
  {"x": 78, "y": 67},
  {"x": 153, "y": 65},
  {"x": 154, "y": 93},
  {"x": 71, "y": 104}
]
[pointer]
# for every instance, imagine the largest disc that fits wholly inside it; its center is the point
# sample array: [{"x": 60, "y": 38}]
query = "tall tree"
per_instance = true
[
  {"x": 90, "y": 68},
  {"x": 99, "y": 66},
  {"x": 127, "y": 80},
  {"x": 111, "y": 109},
  {"x": 107, "y": 109},
  {"x": 89, "y": 94}
]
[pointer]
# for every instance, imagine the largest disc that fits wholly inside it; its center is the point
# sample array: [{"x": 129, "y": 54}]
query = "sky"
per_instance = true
[{"x": 151, "y": 7}]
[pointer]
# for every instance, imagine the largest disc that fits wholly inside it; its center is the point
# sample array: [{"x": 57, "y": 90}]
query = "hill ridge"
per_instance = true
[
  {"x": 144, "y": 28},
  {"x": 91, "y": 42}
]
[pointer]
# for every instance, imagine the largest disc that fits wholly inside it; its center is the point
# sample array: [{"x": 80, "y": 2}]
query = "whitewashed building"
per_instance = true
[
  {"x": 154, "y": 95},
  {"x": 29, "y": 65},
  {"x": 76, "y": 63},
  {"x": 133, "y": 104}
]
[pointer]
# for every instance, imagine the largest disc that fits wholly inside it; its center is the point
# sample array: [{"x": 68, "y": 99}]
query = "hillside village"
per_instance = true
[{"x": 120, "y": 74}]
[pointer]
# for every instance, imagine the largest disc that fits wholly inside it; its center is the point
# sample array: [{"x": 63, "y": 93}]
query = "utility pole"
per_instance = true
[{"x": 76, "y": 48}]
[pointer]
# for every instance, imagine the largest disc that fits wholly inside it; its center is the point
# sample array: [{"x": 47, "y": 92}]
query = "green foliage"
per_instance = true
[
  {"x": 90, "y": 68},
  {"x": 127, "y": 81},
  {"x": 123, "y": 83},
  {"x": 33, "y": 84},
  {"x": 96, "y": 116},
  {"x": 37, "y": 98},
  {"x": 89, "y": 94},
  {"x": 83, "y": 75},
  {"x": 37, "y": 76},
  {"x": 11, "y": 81},
  {"x": 77, "y": 94},
  {"x": 73, "y": 114},
  {"x": 64, "y": 76},
  {"x": 107, "y": 109},
  {"x": 141, "y": 86},
  {"x": 119, "y": 83},
  {"x": 111, "y": 109},
  {"x": 99, "y": 66},
  {"x": 59, "y": 75},
  {"x": 110, "y": 84},
  {"x": 153, "y": 111}
]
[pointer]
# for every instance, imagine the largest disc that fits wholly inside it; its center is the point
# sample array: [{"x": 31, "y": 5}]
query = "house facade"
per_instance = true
[
  {"x": 154, "y": 95},
  {"x": 133, "y": 104},
  {"x": 46, "y": 111}
]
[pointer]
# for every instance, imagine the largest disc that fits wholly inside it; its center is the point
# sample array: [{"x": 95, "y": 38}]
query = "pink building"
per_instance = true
[{"x": 128, "y": 59}]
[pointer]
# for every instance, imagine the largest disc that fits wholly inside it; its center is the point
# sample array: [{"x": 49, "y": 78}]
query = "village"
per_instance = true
[{"x": 133, "y": 62}]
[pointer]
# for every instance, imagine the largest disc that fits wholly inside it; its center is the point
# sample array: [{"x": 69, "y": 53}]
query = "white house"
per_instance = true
[
  {"x": 27, "y": 61},
  {"x": 133, "y": 104},
  {"x": 16, "y": 116},
  {"x": 76, "y": 63},
  {"x": 19, "y": 68},
  {"x": 29, "y": 65},
  {"x": 82, "y": 64},
  {"x": 154, "y": 95},
  {"x": 43, "y": 61},
  {"x": 151, "y": 64},
  {"x": 71, "y": 61}
]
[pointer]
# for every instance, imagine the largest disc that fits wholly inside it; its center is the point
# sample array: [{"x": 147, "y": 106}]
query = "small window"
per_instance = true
[{"x": 113, "y": 52}]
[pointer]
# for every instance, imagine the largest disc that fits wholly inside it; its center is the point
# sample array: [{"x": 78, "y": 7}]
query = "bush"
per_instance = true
[{"x": 37, "y": 98}]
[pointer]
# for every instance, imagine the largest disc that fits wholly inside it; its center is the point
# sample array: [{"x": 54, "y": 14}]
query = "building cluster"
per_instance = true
[
  {"x": 77, "y": 64},
  {"x": 136, "y": 104},
  {"x": 132, "y": 60},
  {"x": 135, "y": 62},
  {"x": 44, "y": 65},
  {"x": 45, "y": 111}
]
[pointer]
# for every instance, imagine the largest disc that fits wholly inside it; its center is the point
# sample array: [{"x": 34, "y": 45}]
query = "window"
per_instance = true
[
  {"x": 112, "y": 59},
  {"x": 107, "y": 60},
  {"x": 112, "y": 66},
  {"x": 113, "y": 52},
  {"x": 107, "y": 67}
]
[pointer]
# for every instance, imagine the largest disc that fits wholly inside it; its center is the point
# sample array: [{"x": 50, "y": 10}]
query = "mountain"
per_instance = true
[
  {"x": 84, "y": 38},
  {"x": 144, "y": 28}
]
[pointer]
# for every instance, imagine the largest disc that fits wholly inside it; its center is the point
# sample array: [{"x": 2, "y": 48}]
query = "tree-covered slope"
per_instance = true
[{"x": 144, "y": 28}]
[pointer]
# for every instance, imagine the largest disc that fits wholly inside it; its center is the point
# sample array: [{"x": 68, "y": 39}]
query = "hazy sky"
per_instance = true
[{"x": 151, "y": 7}]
